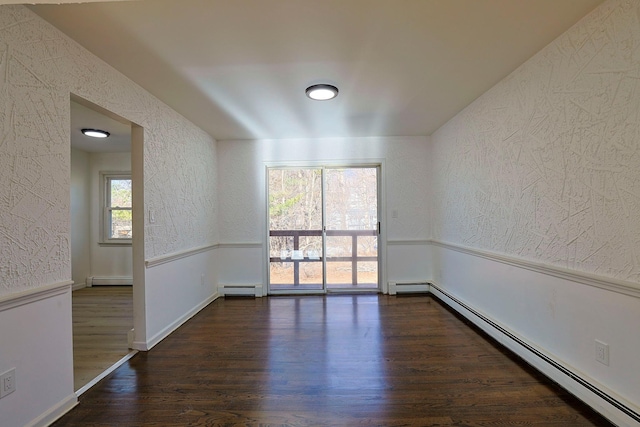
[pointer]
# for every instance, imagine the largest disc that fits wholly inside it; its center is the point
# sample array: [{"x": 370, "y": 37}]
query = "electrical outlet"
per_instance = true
[
  {"x": 7, "y": 382},
  {"x": 202, "y": 280},
  {"x": 602, "y": 352}
]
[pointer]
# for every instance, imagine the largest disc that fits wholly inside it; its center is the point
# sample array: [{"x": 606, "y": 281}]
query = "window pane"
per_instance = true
[
  {"x": 367, "y": 274},
  {"x": 295, "y": 199},
  {"x": 367, "y": 245},
  {"x": 310, "y": 273},
  {"x": 120, "y": 193},
  {"x": 351, "y": 199},
  {"x": 339, "y": 274},
  {"x": 120, "y": 224}
]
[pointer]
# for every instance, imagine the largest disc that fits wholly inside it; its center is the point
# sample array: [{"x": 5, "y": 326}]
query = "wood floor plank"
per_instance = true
[
  {"x": 102, "y": 317},
  {"x": 327, "y": 361}
]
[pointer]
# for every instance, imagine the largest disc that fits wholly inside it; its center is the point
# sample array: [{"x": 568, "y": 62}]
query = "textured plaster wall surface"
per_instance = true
[
  {"x": 242, "y": 180},
  {"x": 80, "y": 214},
  {"x": 39, "y": 69},
  {"x": 546, "y": 165}
]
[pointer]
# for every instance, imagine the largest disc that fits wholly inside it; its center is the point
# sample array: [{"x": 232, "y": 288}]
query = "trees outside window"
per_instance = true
[{"x": 117, "y": 218}]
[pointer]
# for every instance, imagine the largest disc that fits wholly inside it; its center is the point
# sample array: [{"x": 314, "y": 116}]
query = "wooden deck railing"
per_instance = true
[{"x": 353, "y": 259}]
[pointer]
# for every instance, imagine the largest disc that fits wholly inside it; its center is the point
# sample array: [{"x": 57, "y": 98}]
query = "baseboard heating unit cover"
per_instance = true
[
  {"x": 408, "y": 288},
  {"x": 254, "y": 290}
]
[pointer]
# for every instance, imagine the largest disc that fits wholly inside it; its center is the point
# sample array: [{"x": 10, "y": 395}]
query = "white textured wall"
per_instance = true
[
  {"x": 242, "y": 190},
  {"x": 180, "y": 172},
  {"x": 80, "y": 212},
  {"x": 242, "y": 180},
  {"x": 39, "y": 70},
  {"x": 546, "y": 165},
  {"x": 41, "y": 67}
]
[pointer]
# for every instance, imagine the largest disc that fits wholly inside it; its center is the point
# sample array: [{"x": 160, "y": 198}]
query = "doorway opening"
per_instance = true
[
  {"x": 323, "y": 229},
  {"x": 102, "y": 235}
]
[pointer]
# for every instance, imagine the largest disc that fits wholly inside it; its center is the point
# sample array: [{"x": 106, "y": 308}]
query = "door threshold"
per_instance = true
[
  {"x": 353, "y": 291},
  {"x": 109, "y": 370},
  {"x": 344, "y": 291},
  {"x": 297, "y": 292}
]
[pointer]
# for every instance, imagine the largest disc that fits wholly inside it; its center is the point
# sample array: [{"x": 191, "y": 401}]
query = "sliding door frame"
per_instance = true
[{"x": 382, "y": 236}]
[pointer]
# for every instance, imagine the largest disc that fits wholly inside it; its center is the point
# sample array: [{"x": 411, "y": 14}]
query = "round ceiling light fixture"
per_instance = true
[
  {"x": 96, "y": 133},
  {"x": 322, "y": 92}
]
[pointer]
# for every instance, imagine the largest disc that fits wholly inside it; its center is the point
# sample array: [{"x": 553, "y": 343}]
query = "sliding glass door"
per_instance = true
[
  {"x": 351, "y": 228},
  {"x": 323, "y": 229},
  {"x": 295, "y": 229}
]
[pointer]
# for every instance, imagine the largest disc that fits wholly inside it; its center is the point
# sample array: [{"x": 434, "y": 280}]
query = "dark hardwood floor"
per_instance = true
[
  {"x": 102, "y": 316},
  {"x": 368, "y": 360}
]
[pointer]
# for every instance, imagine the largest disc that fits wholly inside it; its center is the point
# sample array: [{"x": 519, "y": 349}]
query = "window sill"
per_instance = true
[{"x": 123, "y": 243}]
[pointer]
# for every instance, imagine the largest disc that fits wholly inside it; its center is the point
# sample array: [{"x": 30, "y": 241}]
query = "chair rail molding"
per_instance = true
[
  {"x": 29, "y": 296},
  {"x": 162, "y": 259},
  {"x": 602, "y": 282}
]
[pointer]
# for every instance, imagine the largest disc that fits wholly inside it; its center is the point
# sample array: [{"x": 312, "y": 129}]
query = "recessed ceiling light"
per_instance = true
[
  {"x": 322, "y": 92},
  {"x": 96, "y": 133}
]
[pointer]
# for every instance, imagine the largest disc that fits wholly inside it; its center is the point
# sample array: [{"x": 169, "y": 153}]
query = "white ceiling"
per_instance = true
[
  {"x": 83, "y": 117},
  {"x": 238, "y": 69}
]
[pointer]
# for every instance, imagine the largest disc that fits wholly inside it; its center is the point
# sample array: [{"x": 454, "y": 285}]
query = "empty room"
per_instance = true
[{"x": 320, "y": 212}]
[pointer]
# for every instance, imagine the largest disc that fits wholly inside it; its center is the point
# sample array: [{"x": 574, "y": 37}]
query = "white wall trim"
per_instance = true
[
  {"x": 162, "y": 259},
  {"x": 250, "y": 245},
  {"x": 610, "y": 284},
  {"x": 55, "y": 412},
  {"x": 32, "y": 295},
  {"x": 408, "y": 242},
  {"x": 78, "y": 286},
  {"x": 600, "y": 398},
  {"x": 149, "y": 344}
]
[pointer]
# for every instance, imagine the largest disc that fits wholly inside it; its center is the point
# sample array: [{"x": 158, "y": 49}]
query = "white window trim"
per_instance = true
[{"x": 105, "y": 177}]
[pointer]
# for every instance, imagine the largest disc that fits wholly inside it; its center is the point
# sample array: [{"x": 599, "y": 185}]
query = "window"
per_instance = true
[{"x": 116, "y": 221}]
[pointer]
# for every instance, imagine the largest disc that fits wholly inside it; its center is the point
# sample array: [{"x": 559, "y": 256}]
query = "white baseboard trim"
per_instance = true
[
  {"x": 109, "y": 281},
  {"x": 131, "y": 334},
  {"x": 153, "y": 341},
  {"x": 613, "y": 407},
  {"x": 55, "y": 412},
  {"x": 78, "y": 286},
  {"x": 240, "y": 290}
]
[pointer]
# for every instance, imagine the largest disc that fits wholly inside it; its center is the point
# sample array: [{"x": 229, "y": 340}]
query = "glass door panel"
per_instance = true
[
  {"x": 351, "y": 212},
  {"x": 295, "y": 229},
  {"x": 318, "y": 211}
]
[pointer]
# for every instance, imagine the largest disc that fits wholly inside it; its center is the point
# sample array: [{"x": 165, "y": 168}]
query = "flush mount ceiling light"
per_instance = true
[
  {"x": 96, "y": 133},
  {"x": 322, "y": 92}
]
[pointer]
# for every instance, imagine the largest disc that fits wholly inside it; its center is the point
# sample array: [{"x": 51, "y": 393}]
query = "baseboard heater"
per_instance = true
[
  {"x": 396, "y": 288},
  {"x": 240, "y": 290},
  {"x": 109, "y": 281},
  {"x": 572, "y": 375}
]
